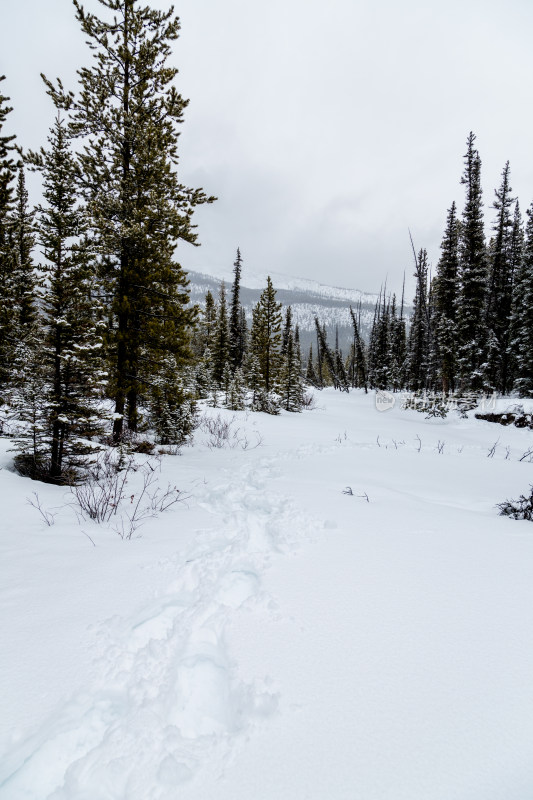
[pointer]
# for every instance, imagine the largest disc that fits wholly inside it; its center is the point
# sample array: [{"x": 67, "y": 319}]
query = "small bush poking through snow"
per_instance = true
[
  {"x": 223, "y": 433},
  {"x": 104, "y": 495},
  {"x": 518, "y": 509}
]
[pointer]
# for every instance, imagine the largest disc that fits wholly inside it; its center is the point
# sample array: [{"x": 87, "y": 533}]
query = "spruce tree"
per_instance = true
[
  {"x": 24, "y": 277},
  {"x": 471, "y": 327},
  {"x": 500, "y": 288},
  {"x": 446, "y": 291},
  {"x": 207, "y": 325},
  {"x": 236, "y": 339},
  {"x": 254, "y": 379},
  {"x": 379, "y": 350},
  {"x": 236, "y": 393},
  {"x": 221, "y": 341},
  {"x": 522, "y": 317},
  {"x": 127, "y": 113},
  {"x": 65, "y": 412},
  {"x": 357, "y": 369},
  {"x": 7, "y": 180},
  {"x": 418, "y": 343},
  {"x": 287, "y": 330},
  {"x": 310, "y": 374},
  {"x": 291, "y": 384},
  {"x": 397, "y": 346},
  {"x": 266, "y": 337},
  {"x": 517, "y": 254},
  {"x": 339, "y": 380}
]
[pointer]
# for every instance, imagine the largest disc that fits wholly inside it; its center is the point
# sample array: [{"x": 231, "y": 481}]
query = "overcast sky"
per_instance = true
[{"x": 325, "y": 129}]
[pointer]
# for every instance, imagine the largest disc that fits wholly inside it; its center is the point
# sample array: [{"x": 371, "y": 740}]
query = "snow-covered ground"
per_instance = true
[{"x": 273, "y": 637}]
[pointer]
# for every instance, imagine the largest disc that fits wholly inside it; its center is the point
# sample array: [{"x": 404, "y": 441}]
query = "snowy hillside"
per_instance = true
[
  {"x": 307, "y": 298},
  {"x": 275, "y": 636}
]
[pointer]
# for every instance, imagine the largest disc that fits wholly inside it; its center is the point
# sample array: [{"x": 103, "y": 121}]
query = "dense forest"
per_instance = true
[{"x": 99, "y": 342}]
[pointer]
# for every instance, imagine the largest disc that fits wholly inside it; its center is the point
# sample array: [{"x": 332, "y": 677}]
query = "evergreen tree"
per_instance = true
[
  {"x": 398, "y": 342},
  {"x": 227, "y": 374},
  {"x": 298, "y": 343},
  {"x": 357, "y": 368},
  {"x": 522, "y": 317},
  {"x": 338, "y": 379},
  {"x": 291, "y": 384},
  {"x": 471, "y": 328},
  {"x": 287, "y": 331},
  {"x": 266, "y": 335},
  {"x": 24, "y": 279},
  {"x": 446, "y": 290},
  {"x": 418, "y": 344},
  {"x": 127, "y": 114},
  {"x": 500, "y": 288},
  {"x": 517, "y": 253},
  {"x": 172, "y": 411},
  {"x": 236, "y": 393},
  {"x": 207, "y": 325},
  {"x": 379, "y": 350},
  {"x": 202, "y": 377},
  {"x": 310, "y": 374},
  {"x": 64, "y": 413},
  {"x": 236, "y": 339},
  {"x": 7, "y": 180},
  {"x": 254, "y": 379},
  {"x": 243, "y": 334},
  {"x": 221, "y": 341}
]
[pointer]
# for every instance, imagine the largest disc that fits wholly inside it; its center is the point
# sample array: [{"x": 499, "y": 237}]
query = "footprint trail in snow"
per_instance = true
[{"x": 166, "y": 698}]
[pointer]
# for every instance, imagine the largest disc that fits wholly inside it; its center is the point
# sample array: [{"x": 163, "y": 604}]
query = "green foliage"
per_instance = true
[
  {"x": 522, "y": 317},
  {"x": 291, "y": 387},
  {"x": 419, "y": 333},
  {"x": 471, "y": 327},
  {"x": 172, "y": 410},
  {"x": 236, "y": 391},
  {"x": 7, "y": 255},
  {"x": 128, "y": 112},
  {"x": 266, "y": 335},
  {"x": 237, "y": 322},
  {"x": 445, "y": 289},
  {"x": 221, "y": 342},
  {"x": 64, "y": 358}
]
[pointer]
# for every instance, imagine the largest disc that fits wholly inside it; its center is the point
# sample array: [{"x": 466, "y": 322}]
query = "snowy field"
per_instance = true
[{"x": 273, "y": 637}]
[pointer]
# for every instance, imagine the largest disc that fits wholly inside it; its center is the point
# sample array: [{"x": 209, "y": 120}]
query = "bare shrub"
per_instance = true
[
  {"x": 493, "y": 449},
  {"x": 222, "y": 432},
  {"x": 105, "y": 495},
  {"x": 48, "y": 516},
  {"x": 99, "y": 497},
  {"x": 528, "y": 455}
]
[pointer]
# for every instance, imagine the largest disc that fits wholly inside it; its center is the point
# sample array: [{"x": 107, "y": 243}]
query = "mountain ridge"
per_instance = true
[{"x": 307, "y": 298}]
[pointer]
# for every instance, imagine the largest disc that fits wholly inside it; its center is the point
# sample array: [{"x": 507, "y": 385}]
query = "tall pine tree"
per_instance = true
[
  {"x": 68, "y": 358},
  {"x": 127, "y": 114},
  {"x": 500, "y": 289},
  {"x": 266, "y": 337},
  {"x": 522, "y": 317},
  {"x": 7, "y": 184},
  {"x": 446, "y": 290},
  {"x": 471, "y": 328},
  {"x": 236, "y": 332}
]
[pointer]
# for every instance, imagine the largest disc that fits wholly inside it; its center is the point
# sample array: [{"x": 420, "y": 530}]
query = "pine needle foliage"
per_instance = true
[{"x": 127, "y": 113}]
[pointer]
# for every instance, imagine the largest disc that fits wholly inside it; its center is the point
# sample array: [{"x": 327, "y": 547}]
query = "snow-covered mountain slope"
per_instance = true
[
  {"x": 308, "y": 299},
  {"x": 277, "y": 636}
]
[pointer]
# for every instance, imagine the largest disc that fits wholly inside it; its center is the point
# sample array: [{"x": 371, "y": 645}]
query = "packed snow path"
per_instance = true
[{"x": 296, "y": 641}]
